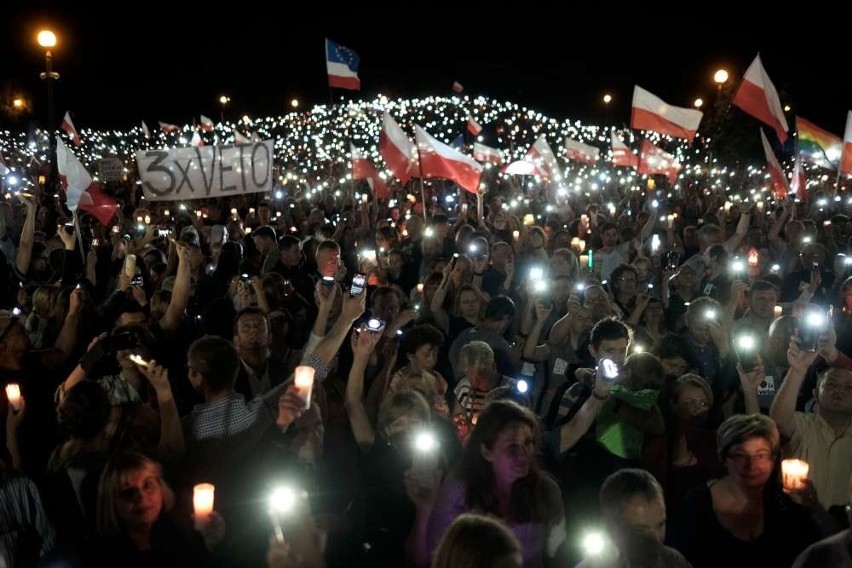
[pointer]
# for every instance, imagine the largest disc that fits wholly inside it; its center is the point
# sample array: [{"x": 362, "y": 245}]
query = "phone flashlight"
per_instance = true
[
  {"x": 609, "y": 370},
  {"x": 746, "y": 347},
  {"x": 16, "y": 311},
  {"x": 138, "y": 360},
  {"x": 710, "y": 315},
  {"x": 522, "y": 386},
  {"x": 536, "y": 274}
]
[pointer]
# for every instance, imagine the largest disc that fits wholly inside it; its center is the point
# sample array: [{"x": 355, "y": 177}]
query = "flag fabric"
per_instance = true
[
  {"x": 622, "y": 155},
  {"x": 196, "y": 140},
  {"x": 846, "y": 157},
  {"x": 440, "y": 161},
  {"x": 651, "y": 113},
  {"x": 473, "y": 127},
  {"x": 483, "y": 153},
  {"x": 799, "y": 184},
  {"x": 80, "y": 191},
  {"x": 457, "y": 87},
  {"x": 654, "y": 160},
  {"x": 4, "y": 169},
  {"x": 145, "y": 132},
  {"x": 241, "y": 139},
  {"x": 818, "y": 146},
  {"x": 399, "y": 152},
  {"x": 68, "y": 127},
  {"x": 342, "y": 65},
  {"x": 580, "y": 152},
  {"x": 757, "y": 96},
  {"x": 776, "y": 172},
  {"x": 539, "y": 161},
  {"x": 363, "y": 168},
  {"x": 206, "y": 124},
  {"x": 167, "y": 128}
]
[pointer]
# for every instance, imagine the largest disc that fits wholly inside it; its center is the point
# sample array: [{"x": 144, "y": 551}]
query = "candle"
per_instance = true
[
  {"x": 793, "y": 474},
  {"x": 202, "y": 502},
  {"x": 671, "y": 219},
  {"x": 584, "y": 260},
  {"x": 13, "y": 393},
  {"x": 166, "y": 212},
  {"x": 753, "y": 257},
  {"x": 529, "y": 219},
  {"x": 727, "y": 206},
  {"x": 582, "y": 245},
  {"x": 130, "y": 265},
  {"x": 759, "y": 206},
  {"x": 778, "y": 311},
  {"x": 516, "y": 234},
  {"x": 304, "y": 381},
  {"x": 420, "y": 288},
  {"x": 575, "y": 243}
]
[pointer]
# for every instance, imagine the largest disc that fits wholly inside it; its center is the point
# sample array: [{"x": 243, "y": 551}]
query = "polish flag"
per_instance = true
[
  {"x": 68, "y": 127},
  {"x": 776, "y": 173},
  {"x": 483, "y": 153},
  {"x": 622, "y": 155},
  {"x": 757, "y": 96},
  {"x": 539, "y": 161},
  {"x": 441, "y": 161},
  {"x": 166, "y": 127},
  {"x": 80, "y": 191},
  {"x": 799, "y": 185},
  {"x": 399, "y": 152},
  {"x": 240, "y": 139},
  {"x": 473, "y": 127},
  {"x": 457, "y": 87},
  {"x": 145, "y": 132},
  {"x": 846, "y": 153},
  {"x": 363, "y": 168},
  {"x": 196, "y": 140},
  {"x": 206, "y": 124},
  {"x": 4, "y": 169},
  {"x": 581, "y": 152},
  {"x": 653, "y": 160},
  {"x": 652, "y": 113}
]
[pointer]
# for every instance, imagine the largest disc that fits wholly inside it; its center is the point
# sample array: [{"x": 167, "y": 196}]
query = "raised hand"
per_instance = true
[
  {"x": 290, "y": 407},
  {"x": 157, "y": 375},
  {"x": 353, "y": 306},
  {"x": 798, "y": 358},
  {"x": 364, "y": 342},
  {"x": 752, "y": 379}
]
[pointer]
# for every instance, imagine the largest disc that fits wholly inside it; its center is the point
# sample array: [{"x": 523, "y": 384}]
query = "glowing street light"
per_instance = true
[
  {"x": 18, "y": 104},
  {"x": 699, "y": 102},
  {"x": 294, "y": 103},
  {"x": 47, "y": 40},
  {"x": 720, "y": 77},
  {"x": 607, "y": 98}
]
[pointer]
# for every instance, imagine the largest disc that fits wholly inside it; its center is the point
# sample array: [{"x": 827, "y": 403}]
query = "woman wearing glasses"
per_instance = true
[{"x": 745, "y": 517}]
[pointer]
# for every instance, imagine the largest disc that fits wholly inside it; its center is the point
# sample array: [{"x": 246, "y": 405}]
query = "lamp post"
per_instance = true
[
  {"x": 223, "y": 100},
  {"x": 47, "y": 39},
  {"x": 607, "y": 98}
]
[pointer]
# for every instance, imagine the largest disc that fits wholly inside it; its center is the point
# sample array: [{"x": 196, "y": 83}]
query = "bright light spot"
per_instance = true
[
  {"x": 523, "y": 386},
  {"x": 425, "y": 442},
  {"x": 283, "y": 500},
  {"x": 746, "y": 342},
  {"x": 594, "y": 543}
]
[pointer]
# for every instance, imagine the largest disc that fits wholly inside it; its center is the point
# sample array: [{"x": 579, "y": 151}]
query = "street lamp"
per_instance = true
[
  {"x": 47, "y": 39},
  {"x": 607, "y": 98},
  {"x": 699, "y": 102},
  {"x": 294, "y": 103},
  {"x": 720, "y": 77},
  {"x": 223, "y": 100}
]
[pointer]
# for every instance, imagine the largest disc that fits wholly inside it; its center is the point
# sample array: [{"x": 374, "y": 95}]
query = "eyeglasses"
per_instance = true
[{"x": 740, "y": 458}]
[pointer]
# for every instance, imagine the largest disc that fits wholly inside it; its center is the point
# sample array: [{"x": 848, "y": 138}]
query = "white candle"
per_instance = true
[
  {"x": 793, "y": 474},
  {"x": 130, "y": 265},
  {"x": 304, "y": 381},
  {"x": 584, "y": 260},
  {"x": 420, "y": 288},
  {"x": 778, "y": 311},
  {"x": 202, "y": 502},
  {"x": 516, "y": 235},
  {"x": 13, "y": 394}
]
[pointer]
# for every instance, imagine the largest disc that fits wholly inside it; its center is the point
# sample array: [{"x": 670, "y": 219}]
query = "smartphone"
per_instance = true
[
  {"x": 137, "y": 281},
  {"x": 375, "y": 325},
  {"x": 672, "y": 260},
  {"x": 426, "y": 456},
  {"x": 123, "y": 341},
  {"x": 164, "y": 232},
  {"x": 607, "y": 370},
  {"x": 453, "y": 261},
  {"x": 95, "y": 242},
  {"x": 328, "y": 281},
  {"x": 139, "y": 360},
  {"x": 814, "y": 323},
  {"x": 69, "y": 228},
  {"x": 359, "y": 284},
  {"x": 745, "y": 346}
]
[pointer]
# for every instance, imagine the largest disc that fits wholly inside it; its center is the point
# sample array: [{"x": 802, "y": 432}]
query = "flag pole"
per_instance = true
[{"x": 79, "y": 237}]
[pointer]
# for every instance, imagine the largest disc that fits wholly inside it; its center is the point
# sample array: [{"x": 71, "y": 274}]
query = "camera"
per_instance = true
[
  {"x": 814, "y": 324},
  {"x": 137, "y": 281},
  {"x": 607, "y": 370},
  {"x": 375, "y": 325},
  {"x": 69, "y": 228},
  {"x": 359, "y": 283},
  {"x": 745, "y": 346}
]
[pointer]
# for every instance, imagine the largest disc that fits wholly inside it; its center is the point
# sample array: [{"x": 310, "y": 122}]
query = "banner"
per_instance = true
[{"x": 207, "y": 171}]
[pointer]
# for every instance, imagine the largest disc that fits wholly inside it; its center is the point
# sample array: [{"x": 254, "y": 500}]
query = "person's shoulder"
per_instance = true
[
  {"x": 671, "y": 558},
  {"x": 831, "y": 551}
]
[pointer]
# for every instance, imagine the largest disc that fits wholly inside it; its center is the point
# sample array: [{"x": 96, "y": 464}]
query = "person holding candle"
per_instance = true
[
  {"x": 745, "y": 515},
  {"x": 138, "y": 524}
]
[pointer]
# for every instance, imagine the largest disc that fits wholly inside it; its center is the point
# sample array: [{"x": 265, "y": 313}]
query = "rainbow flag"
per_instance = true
[{"x": 818, "y": 146}]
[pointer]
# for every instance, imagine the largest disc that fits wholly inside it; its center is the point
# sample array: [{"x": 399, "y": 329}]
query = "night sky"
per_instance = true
[{"x": 164, "y": 61}]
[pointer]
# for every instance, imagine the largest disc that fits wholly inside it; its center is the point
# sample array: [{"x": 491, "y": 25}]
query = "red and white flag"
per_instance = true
[
  {"x": 240, "y": 138},
  {"x": 206, "y": 124},
  {"x": 653, "y": 160},
  {"x": 846, "y": 153},
  {"x": 196, "y": 140},
  {"x": 363, "y": 168},
  {"x": 622, "y": 155},
  {"x": 473, "y": 127},
  {"x": 799, "y": 184},
  {"x": 483, "y": 153},
  {"x": 166, "y": 127},
  {"x": 80, "y": 191},
  {"x": 4, "y": 169},
  {"x": 651, "y": 113},
  {"x": 539, "y": 161},
  {"x": 580, "y": 152},
  {"x": 68, "y": 127},
  {"x": 439, "y": 160},
  {"x": 399, "y": 152},
  {"x": 145, "y": 132},
  {"x": 776, "y": 172},
  {"x": 457, "y": 87},
  {"x": 757, "y": 96}
]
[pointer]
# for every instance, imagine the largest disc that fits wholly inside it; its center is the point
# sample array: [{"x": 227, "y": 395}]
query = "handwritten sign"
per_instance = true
[{"x": 205, "y": 172}]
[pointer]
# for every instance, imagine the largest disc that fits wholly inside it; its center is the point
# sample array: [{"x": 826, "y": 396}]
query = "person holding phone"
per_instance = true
[{"x": 813, "y": 278}]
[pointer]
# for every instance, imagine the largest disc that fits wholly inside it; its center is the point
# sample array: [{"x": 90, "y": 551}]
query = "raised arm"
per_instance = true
[
  {"x": 25, "y": 247},
  {"x": 784, "y": 404},
  {"x": 353, "y": 307},
  {"x": 774, "y": 235},
  {"x": 363, "y": 344},
  {"x": 571, "y": 432},
  {"x": 742, "y": 230},
  {"x": 532, "y": 350},
  {"x": 180, "y": 293},
  {"x": 437, "y": 306},
  {"x": 171, "y": 432}
]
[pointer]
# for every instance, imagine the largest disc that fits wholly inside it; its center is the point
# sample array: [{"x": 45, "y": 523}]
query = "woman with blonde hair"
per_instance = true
[{"x": 477, "y": 541}]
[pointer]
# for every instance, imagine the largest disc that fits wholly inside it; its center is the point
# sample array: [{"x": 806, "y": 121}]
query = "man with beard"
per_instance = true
[{"x": 634, "y": 511}]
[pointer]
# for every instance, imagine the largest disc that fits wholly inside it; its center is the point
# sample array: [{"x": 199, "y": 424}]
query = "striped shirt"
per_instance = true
[{"x": 25, "y": 531}]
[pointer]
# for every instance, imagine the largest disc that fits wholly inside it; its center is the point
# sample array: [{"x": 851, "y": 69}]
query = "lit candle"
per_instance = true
[
  {"x": 516, "y": 235},
  {"x": 759, "y": 206},
  {"x": 575, "y": 243},
  {"x": 727, "y": 207},
  {"x": 420, "y": 288},
  {"x": 582, "y": 245},
  {"x": 584, "y": 260},
  {"x": 13, "y": 393},
  {"x": 529, "y": 219},
  {"x": 130, "y": 265},
  {"x": 778, "y": 311},
  {"x": 793, "y": 474},
  {"x": 671, "y": 219},
  {"x": 304, "y": 381},
  {"x": 202, "y": 502},
  {"x": 166, "y": 212}
]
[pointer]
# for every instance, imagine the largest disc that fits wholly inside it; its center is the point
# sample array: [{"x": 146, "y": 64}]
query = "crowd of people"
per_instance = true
[{"x": 487, "y": 385}]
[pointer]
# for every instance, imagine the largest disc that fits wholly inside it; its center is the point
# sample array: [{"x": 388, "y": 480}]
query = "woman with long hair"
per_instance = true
[{"x": 499, "y": 476}]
